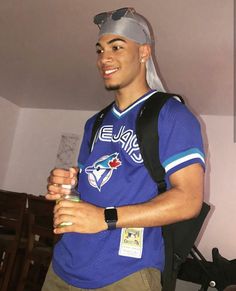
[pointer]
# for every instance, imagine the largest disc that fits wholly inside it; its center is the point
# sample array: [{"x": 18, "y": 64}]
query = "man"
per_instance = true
[{"x": 115, "y": 240}]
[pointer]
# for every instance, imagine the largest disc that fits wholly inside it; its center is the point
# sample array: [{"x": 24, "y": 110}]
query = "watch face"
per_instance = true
[{"x": 110, "y": 214}]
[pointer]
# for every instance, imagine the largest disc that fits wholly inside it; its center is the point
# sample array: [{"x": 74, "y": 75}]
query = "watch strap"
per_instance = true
[
  {"x": 111, "y": 225},
  {"x": 110, "y": 216}
]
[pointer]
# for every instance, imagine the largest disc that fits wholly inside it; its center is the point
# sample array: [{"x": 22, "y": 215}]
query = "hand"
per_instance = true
[
  {"x": 58, "y": 178},
  {"x": 85, "y": 217}
]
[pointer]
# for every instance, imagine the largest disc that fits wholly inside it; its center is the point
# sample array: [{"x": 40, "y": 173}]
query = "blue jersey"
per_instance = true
[{"x": 113, "y": 174}]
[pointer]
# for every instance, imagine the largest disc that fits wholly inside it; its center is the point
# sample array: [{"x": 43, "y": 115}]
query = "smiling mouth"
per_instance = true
[{"x": 109, "y": 72}]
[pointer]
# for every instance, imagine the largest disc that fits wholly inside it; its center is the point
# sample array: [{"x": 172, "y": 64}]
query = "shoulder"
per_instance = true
[
  {"x": 180, "y": 136},
  {"x": 174, "y": 110},
  {"x": 102, "y": 113},
  {"x": 176, "y": 118},
  {"x": 90, "y": 123},
  {"x": 175, "y": 115},
  {"x": 91, "y": 120}
]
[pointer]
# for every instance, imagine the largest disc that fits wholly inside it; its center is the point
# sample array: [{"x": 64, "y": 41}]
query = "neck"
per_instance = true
[{"x": 127, "y": 96}]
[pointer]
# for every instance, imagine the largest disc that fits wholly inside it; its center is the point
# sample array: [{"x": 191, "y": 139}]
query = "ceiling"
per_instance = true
[{"x": 47, "y": 52}]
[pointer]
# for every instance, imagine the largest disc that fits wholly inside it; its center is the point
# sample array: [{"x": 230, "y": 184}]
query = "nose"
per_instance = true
[{"x": 105, "y": 57}]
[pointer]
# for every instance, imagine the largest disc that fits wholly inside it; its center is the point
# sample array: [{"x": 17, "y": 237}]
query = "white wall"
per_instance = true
[
  {"x": 36, "y": 144},
  {"x": 8, "y": 121}
]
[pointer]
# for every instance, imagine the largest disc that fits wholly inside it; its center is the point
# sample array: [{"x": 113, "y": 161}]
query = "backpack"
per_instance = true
[
  {"x": 178, "y": 237},
  {"x": 219, "y": 273}
]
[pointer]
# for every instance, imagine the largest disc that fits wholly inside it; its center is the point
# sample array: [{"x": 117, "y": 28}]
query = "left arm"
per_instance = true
[{"x": 183, "y": 201}]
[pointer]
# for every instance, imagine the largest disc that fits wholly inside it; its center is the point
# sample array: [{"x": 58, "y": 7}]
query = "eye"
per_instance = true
[
  {"x": 99, "y": 51},
  {"x": 116, "y": 47}
]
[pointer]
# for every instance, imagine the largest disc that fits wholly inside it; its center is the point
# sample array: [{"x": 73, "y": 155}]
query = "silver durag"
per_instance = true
[{"x": 136, "y": 29}]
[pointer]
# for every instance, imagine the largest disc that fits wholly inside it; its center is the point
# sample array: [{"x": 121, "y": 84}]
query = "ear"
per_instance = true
[{"x": 144, "y": 52}]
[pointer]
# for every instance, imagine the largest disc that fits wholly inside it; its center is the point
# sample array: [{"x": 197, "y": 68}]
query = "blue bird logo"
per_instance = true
[{"x": 101, "y": 171}]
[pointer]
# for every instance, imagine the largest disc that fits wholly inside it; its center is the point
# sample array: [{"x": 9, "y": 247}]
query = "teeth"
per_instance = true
[{"x": 110, "y": 71}]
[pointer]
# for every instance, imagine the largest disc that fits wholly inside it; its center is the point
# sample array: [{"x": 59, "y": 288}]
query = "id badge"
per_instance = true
[{"x": 131, "y": 242}]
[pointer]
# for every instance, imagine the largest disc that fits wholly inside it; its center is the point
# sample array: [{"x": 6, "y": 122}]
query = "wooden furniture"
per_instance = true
[
  {"x": 12, "y": 208},
  {"x": 40, "y": 242}
]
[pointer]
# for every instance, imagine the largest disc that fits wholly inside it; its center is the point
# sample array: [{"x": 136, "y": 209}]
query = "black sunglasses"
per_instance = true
[{"x": 115, "y": 15}]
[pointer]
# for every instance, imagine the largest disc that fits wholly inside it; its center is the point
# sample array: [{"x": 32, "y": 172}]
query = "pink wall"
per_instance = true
[
  {"x": 220, "y": 187},
  {"x": 8, "y": 122},
  {"x": 35, "y": 147}
]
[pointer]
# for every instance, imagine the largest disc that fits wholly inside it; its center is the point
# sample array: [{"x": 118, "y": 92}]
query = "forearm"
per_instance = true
[
  {"x": 183, "y": 201},
  {"x": 165, "y": 209}
]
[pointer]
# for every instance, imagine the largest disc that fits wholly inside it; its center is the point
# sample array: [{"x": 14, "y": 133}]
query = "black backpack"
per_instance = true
[
  {"x": 178, "y": 237},
  {"x": 218, "y": 273}
]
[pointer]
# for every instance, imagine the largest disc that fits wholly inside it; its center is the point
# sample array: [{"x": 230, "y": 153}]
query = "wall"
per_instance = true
[
  {"x": 36, "y": 143},
  {"x": 218, "y": 230},
  {"x": 221, "y": 186},
  {"x": 8, "y": 120},
  {"x": 28, "y": 151}
]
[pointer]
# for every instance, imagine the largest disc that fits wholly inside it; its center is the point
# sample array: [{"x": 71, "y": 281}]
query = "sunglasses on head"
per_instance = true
[{"x": 115, "y": 15}]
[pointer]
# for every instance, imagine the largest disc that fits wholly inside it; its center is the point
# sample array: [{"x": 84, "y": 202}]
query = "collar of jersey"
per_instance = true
[{"x": 118, "y": 113}]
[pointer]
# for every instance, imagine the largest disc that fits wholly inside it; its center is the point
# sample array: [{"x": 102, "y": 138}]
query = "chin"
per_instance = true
[{"x": 112, "y": 87}]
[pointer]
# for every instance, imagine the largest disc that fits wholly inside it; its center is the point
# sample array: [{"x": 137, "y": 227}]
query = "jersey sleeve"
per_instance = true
[{"x": 180, "y": 138}]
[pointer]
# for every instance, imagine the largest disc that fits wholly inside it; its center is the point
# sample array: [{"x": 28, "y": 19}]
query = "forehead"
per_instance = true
[{"x": 110, "y": 38}]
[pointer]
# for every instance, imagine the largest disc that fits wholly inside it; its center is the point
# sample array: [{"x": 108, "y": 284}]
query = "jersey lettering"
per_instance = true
[
  {"x": 105, "y": 133},
  {"x": 126, "y": 137}
]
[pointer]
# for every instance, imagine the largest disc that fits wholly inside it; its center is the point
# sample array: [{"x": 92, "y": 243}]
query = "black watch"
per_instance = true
[{"x": 111, "y": 217}]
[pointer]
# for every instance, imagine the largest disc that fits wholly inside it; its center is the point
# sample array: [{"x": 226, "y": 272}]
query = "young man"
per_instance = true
[{"x": 115, "y": 240}]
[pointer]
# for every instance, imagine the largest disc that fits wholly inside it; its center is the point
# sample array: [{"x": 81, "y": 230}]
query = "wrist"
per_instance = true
[{"x": 110, "y": 217}]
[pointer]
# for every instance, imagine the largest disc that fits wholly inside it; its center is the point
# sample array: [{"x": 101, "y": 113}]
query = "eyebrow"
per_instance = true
[{"x": 112, "y": 40}]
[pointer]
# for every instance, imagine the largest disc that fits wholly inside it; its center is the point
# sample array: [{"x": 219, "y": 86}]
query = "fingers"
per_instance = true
[
  {"x": 70, "y": 173},
  {"x": 64, "y": 229},
  {"x": 73, "y": 172},
  {"x": 65, "y": 211},
  {"x": 85, "y": 217},
  {"x": 62, "y": 176},
  {"x": 49, "y": 196},
  {"x": 58, "y": 189},
  {"x": 64, "y": 221},
  {"x": 60, "y": 181},
  {"x": 56, "y": 192},
  {"x": 65, "y": 207}
]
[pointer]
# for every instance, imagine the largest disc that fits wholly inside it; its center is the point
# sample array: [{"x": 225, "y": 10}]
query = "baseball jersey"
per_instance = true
[{"x": 113, "y": 174}]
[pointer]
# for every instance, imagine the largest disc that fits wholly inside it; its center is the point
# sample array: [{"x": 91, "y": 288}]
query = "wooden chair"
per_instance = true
[
  {"x": 12, "y": 209},
  {"x": 40, "y": 242}
]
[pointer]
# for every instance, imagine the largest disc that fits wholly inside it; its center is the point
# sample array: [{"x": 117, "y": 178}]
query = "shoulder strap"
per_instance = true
[
  {"x": 178, "y": 237},
  {"x": 97, "y": 124},
  {"x": 148, "y": 138}
]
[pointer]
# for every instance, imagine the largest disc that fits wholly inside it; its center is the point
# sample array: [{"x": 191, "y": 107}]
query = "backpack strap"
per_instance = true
[
  {"x": 148, "y": 137},
  {"x": 97, "y": 124},
  {"x": 178, "y": 237}
]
